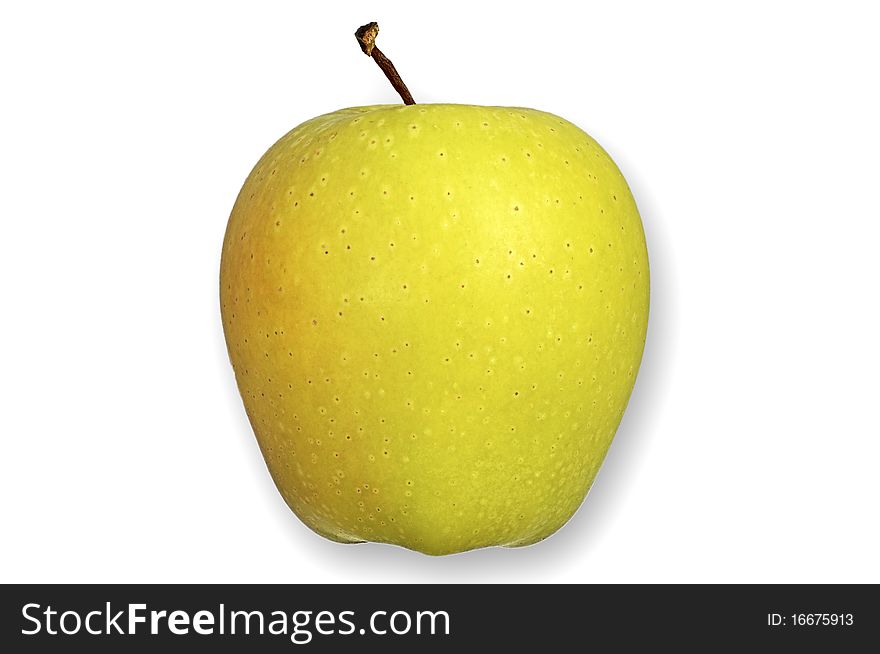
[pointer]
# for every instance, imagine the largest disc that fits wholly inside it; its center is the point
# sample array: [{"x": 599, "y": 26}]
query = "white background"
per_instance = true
[{"x": 750, "y": 138}]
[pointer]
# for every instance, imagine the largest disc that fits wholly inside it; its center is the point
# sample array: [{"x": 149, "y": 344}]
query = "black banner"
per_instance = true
[{"x": 428, "y": 618}]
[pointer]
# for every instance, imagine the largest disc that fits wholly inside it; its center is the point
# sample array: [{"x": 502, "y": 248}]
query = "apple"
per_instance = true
[{"x": 435, "y": 315}]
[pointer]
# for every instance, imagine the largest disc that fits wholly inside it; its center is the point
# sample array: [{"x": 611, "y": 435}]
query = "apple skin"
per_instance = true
[{"x": 435, "y": 315}]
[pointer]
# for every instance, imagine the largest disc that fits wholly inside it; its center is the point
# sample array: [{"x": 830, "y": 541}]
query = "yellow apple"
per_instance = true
[{"x": 435, "y": 314}]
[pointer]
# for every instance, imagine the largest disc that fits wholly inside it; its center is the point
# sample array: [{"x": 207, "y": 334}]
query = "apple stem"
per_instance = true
[{"x": 366, "y": 36}]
